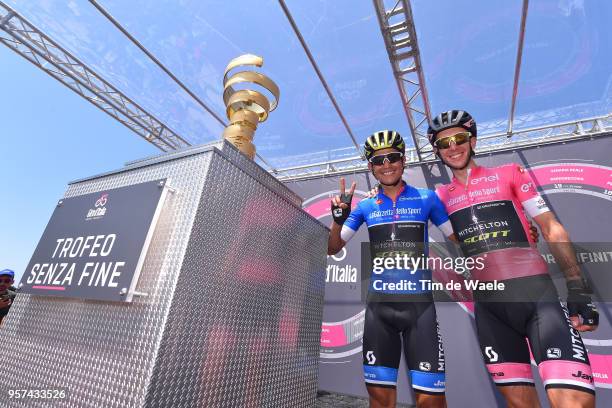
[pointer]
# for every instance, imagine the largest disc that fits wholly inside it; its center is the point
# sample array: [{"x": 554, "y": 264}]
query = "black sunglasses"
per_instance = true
[{"x": 392, "y": 157}]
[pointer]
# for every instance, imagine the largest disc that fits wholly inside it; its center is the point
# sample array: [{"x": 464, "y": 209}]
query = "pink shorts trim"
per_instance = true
[
  {"x": 561, "y": 373},
  {"x": 510, "y": 373}
]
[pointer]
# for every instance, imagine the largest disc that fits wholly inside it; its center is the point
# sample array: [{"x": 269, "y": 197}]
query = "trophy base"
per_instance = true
[{"x": 232, "y": 298}]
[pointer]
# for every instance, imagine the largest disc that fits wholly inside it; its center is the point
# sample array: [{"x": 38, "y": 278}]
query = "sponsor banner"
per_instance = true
[
  {"x": 94, "y": 245},
  {"x": 595, "y": 260},
  {"x": 487, "y": 227}
]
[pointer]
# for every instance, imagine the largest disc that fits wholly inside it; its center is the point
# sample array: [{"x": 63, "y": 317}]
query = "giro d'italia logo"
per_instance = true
[
  {"x": 99, "y": 209},
  {"x": 101, "y": 202}
]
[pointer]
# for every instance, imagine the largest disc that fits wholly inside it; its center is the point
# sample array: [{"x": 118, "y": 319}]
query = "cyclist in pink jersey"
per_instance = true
[{"x": 488, "y": 209}]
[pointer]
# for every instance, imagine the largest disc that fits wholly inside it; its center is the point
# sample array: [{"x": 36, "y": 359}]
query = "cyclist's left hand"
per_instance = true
[
  {"x": 583, "y": 313},
  {"x": 533, "y": 232}
]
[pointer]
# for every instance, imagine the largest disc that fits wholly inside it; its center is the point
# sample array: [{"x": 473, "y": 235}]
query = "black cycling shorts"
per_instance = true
[
  {"x": 528, "y": 315},
  {"x": 386, "y": 324}
]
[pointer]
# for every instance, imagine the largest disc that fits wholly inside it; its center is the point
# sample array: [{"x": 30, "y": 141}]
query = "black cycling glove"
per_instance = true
[
  {"x": 579, "y": 302},
  {"x": 341, "y": 214}
]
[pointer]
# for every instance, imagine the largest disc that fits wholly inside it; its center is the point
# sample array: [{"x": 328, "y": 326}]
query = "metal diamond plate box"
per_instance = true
[{"x": 227, "y": 309}]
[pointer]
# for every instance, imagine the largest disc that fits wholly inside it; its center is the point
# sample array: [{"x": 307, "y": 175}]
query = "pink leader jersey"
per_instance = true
[{"x": 488, "y": 217}]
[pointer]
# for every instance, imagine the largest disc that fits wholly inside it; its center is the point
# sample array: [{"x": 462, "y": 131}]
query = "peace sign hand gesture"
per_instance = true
[{"x": 341, "y": 204}]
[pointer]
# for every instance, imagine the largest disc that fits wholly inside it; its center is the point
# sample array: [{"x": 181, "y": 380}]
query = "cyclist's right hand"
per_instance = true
[{"x": 341, "y": 204}]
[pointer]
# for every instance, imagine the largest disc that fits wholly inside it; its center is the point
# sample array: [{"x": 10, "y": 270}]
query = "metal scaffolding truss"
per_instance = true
[
  {"x": 398, "y": 31},
  {"x": 535, "y": 136},
  {"x": 29, "y": 42},
  {"x": 397, "y": 28},
  {"x": 25, "y": 39}
]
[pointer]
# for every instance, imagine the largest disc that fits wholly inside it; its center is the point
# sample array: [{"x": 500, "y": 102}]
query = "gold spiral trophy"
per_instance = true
[{"x": 246, "y": 108}]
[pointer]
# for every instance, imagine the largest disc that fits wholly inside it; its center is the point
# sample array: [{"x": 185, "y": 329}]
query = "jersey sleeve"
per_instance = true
[
  {"x": 525, "y": 190},
  {"x": 352, "y": 223},
  {"x": 439, "y": 216}
]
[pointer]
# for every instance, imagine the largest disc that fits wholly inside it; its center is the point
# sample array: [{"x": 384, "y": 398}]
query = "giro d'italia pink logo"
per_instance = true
[
  {"x": 99, "y": 209},
  {"x": 101, "y": 202}
]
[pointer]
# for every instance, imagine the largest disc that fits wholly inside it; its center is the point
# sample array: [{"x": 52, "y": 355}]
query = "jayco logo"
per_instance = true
[
  {"x": 99, "y": 208},
  {"x": 583, "y": 376}
]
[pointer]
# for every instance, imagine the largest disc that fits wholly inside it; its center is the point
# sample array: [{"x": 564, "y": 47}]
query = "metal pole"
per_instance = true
[
  {"x": 156, "y": 61},
  {"x": 517, "y": 67},
  {"x": 166, "y": 70},
  {"x": 401, "y": 43},
  {"x": 29, "y": 42},
  {"x": 320, "y": 75},
  {"x": 417, "y": 59},
  {"x": 6, "y": 18}
]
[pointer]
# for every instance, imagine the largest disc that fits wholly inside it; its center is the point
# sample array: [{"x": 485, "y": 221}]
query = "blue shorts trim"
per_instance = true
[
  {"x": 428, "y": 382},
  {"x": 380, "y": 375}
]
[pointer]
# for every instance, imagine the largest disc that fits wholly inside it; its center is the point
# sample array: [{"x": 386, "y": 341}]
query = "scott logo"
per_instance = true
[
  {"x": 370, "y": 357},
  {"x": 486, "y": 236},
  {"x": 101, "y": 202},
  {"x": 582, "y": 375},
  {"x": 491, "y": 354}
]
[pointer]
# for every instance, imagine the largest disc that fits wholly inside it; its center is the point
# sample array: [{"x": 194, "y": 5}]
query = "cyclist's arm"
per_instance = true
[
  {"x": 340, "y": 235},
  {"x": 552, "y": 231},
  {"x": 560, "y": 245},
  {"x": 335, "y": 243},
  {"x": 439, "y": 217}
]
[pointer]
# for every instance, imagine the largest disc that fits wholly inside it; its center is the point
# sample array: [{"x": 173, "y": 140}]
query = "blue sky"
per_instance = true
[
  {"x": 468, "y": 55},
  {"x": 49, "y": 136}
]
